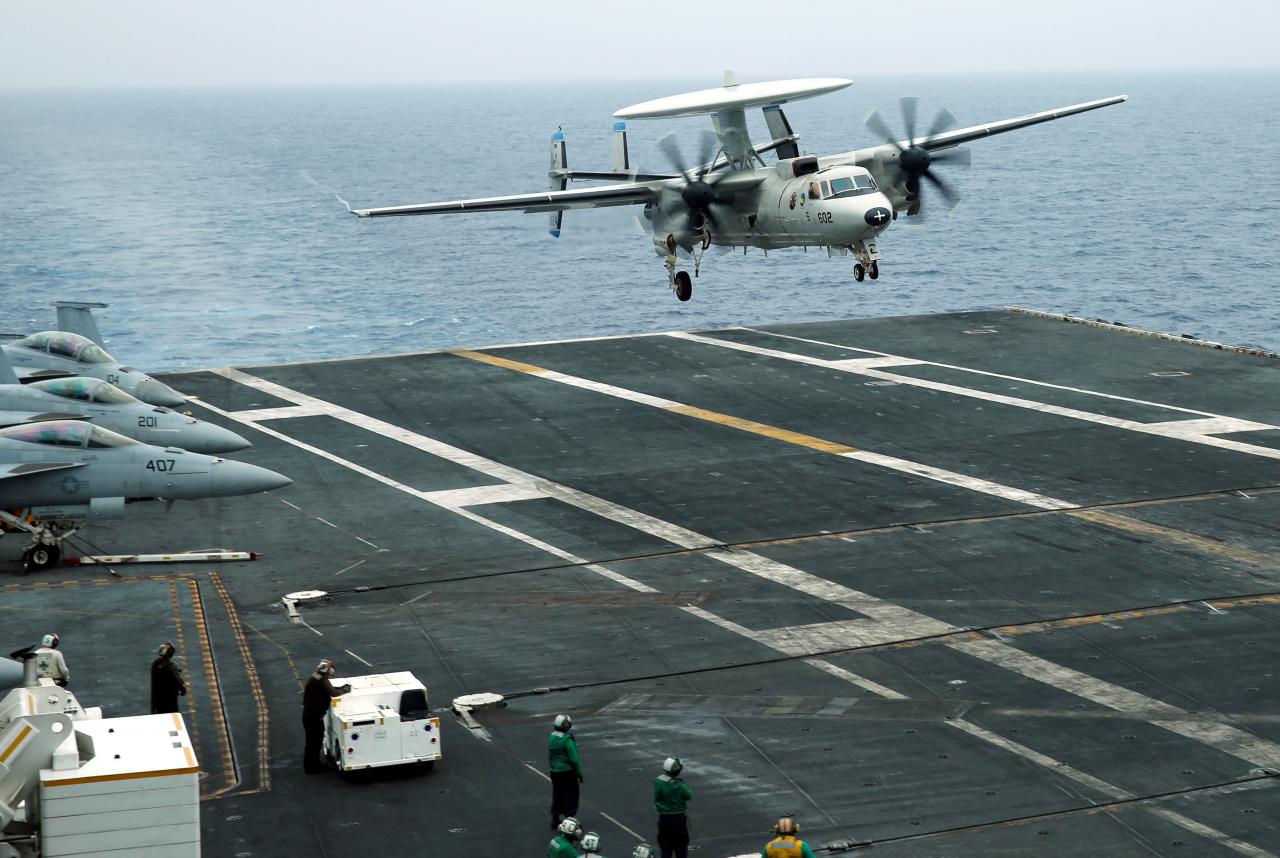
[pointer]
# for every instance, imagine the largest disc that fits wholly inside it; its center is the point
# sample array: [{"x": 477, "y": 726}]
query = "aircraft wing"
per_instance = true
[
  {"x": 16, "y": 418},
  {"x": 975, "y": 132},
  {"x": 630, "y": 193},
  {"x": 26, "y": 469}
]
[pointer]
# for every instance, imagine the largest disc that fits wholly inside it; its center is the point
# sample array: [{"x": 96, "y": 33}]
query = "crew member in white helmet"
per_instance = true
[
  {"x": 315, "y": 704},
  {"x": 50, "y": 663},
  {"x": 670, "y": 797},
  {"x": 591, "y": 845}
]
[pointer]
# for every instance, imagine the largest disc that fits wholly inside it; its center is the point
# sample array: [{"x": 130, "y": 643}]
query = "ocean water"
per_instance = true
[{"x": 211, "y": 223}]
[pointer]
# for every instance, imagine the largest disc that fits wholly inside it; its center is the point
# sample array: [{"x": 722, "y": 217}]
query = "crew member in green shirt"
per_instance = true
[
  {"x": 670, "y": 795},
  {"x": 787, "y": 843},
  {"x": 566, "y": 770},
  {"x": 568, "y": 833}
]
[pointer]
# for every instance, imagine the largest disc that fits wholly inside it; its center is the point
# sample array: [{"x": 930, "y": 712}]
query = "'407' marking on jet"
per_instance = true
[{"x": 731, "y": 198}]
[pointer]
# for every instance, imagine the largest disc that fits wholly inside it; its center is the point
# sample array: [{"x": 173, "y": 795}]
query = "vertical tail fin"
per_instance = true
[
  {"x": 76, "y": 317},
  {"x": 621, "y": 155},
  {"x": 7, "y": 375},
  {"x": 559, "y": 178},
  {"x": 779, "y": 128}
]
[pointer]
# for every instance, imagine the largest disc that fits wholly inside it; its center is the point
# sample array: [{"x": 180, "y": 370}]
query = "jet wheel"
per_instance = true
[
  {"x": 684, "y": 286},
  {"x": 859, "y": 273},
  {"x": 874, "y": 270},
  {"x": 42, "y": 556}
]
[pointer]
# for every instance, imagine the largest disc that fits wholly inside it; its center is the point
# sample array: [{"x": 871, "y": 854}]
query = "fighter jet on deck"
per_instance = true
[
  {"x": 106, "y": 405},
  {"x": 61, "y": 473},
  {"x": 58, "y": 354}
]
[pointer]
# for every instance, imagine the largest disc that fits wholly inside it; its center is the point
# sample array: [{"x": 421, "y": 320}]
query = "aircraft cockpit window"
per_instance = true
[
  {"x": 109, "y": 394},
  {"x": 80, "y": 389},
  {"x": 36, "y": 342},
  {"x": 65, "y": 433},
  {"x": 853, "y": 186},
  {"x": 94, "y": 353},
  {"x": 815, "y": 191},
  {"x": 99, "y": 438},
  {"x": 66, "y": 345}
]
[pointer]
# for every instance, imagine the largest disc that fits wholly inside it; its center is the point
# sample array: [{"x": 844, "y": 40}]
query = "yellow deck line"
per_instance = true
[
  {"x": 797, "y": 438},
  {"x": 1109, "y": 519}
]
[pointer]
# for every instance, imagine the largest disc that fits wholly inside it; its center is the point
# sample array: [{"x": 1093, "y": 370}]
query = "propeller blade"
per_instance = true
[
  {"x": 944, "y": 121},
  {"x": 953, "y": 157},
  {"x": 910, "y": 109},
  {"x": 876, "y": 125},
  {"x": 667, "y": 143},
  {"x": 944, "y": 189}
]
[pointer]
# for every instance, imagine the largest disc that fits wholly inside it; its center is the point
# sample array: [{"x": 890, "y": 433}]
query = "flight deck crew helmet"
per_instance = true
[
  {"x": 644, "y": 850},
  {"x": 50, "y": 640},
  {"x": 591, "y": 842},
  {"x": 166, "y": 649},
  {"x": 563, "y": 723},
  {"x": 787, "y": 826},
  {"x": 570, "y": 827},
  {"x": 672, "y": 766},
  {"x": 325, "y": 667}
]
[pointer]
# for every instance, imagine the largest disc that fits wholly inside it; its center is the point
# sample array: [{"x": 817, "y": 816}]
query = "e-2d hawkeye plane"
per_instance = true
[{"x": 732, "y": 198}]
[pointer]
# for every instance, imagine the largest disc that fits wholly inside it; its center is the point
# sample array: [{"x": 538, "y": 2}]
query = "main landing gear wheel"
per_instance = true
[
  {"x": 684, "y": 286},
  {"x": 860, "y": 273},
  {"x": 42, "y": 556},
  {"x": 874, "y": 270}
]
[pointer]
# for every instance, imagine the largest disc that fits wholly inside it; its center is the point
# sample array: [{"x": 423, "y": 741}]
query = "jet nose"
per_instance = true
[
  {"x": 158, "y": 393},
  {"x": 240, "y": 478},
  {"x": 212, "y": 439}
]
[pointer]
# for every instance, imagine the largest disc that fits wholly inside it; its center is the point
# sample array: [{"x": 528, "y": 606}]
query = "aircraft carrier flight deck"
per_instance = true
[{"x": 979, "y": 584}]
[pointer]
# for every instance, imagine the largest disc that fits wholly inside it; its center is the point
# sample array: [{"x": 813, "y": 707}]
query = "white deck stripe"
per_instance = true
[
  {"x": 1107, "y": 789},
  {"x": 1020, "y": 379},
  {"x": 1194, "y": 431},
  {"x": 1224, "y": 737},
  {"x": 1228, "y": 738}
]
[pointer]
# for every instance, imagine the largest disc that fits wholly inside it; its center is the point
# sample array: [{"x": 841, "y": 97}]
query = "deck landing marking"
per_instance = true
[
  {"x": 820, "y": 444},
  {"x": 1229, "y": 741},
  {"x": 1192, "y": 431}
]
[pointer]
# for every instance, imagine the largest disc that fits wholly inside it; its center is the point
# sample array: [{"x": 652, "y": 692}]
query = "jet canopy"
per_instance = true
[
  {"x": 85, "y": 390},
  {"x": 66, "y": 433},
  {"x": 64, "y": 345}
]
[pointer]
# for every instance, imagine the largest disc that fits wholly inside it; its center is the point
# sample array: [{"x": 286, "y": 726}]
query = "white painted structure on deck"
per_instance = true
[{"x": 370, "y": 726}]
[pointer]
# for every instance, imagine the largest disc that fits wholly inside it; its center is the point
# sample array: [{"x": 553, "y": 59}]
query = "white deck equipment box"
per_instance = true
[
  {"x": 139, "y": 795},
  {"x": 382, "y": 721}
]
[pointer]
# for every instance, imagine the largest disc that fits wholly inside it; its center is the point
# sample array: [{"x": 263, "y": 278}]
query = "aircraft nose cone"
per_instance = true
[
  {"x": 241, "y": 478},
  {"x": 212, "y": 439},
  {"x": 158, "y": 393}
]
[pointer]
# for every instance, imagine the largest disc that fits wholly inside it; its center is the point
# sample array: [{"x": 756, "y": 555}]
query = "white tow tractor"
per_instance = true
[{"x": 382, "y": 721}]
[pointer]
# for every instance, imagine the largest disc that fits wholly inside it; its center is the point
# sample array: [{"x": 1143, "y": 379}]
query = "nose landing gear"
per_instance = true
[{"x": 868, "y": 260}]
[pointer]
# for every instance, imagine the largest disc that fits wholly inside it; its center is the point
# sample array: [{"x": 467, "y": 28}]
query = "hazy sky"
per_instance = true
[{"x": 236, "y": 42}]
